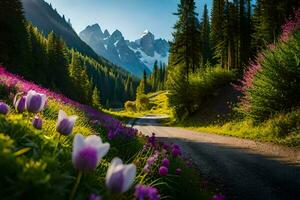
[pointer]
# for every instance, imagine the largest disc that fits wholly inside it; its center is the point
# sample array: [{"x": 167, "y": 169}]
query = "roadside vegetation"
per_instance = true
[{"x": 40, "y": 154}]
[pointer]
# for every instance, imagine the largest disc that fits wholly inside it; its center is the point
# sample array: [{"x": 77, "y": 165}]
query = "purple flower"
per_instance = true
[
  {"x": 166, "y": 146},
  {"x": 152, "y": 140},
  {"x": 35, "y": 102},
  {"x": 165, "y": 162},
  {"x": 176, "y": 152},
  {"x": 120, "y": 177},
  {"x": 37, "y": 122},
  {"x": 65, "y": 123},
  {"x": 4, "y": 108},
  {"x": 143, "y": 192},
  {"x": 218, "y": 197},
  {"x": 94, "y": 197},
  {"x": 163, "y": 171},
  {"x": 87, "y": 152},
  {"x": 20, "y": 103},
  {"x": 178, "y": 171}
]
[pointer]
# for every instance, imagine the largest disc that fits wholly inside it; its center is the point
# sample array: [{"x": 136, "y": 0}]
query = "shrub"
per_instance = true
[
  {"x": 130, "y": 106},
  {"x": 142, "y": 103},
  {"x": 187, "y": 98},
  {"x": 275, "y": 86}
]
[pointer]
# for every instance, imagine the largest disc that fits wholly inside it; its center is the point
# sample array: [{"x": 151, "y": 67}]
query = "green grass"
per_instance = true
[{"x": 281, "y": 129}]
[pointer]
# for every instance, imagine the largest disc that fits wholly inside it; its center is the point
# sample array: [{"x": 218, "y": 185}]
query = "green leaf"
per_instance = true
[{"x": 22, "y": 151}]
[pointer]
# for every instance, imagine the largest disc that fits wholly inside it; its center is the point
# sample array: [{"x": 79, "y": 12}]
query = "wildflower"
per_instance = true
[
  {"x": 120, "y": 177},
  {"x": 218, "y": 197},
  {"x": 146, "y": 192},
  {"x": 20, "y": 103},
  {"x": 176, "y": 151},
  {"x": 37, "y": 122},
  {"x": 165, "y": 162},
  {"x": 87, "y": 152},
  {"x": 94, "y": 197},
  {"x": 65, "y": 123},
  {"x": 35, "y": 102},
  {"x": 178, "y": 171},
  {"x": 4, "y": 108},
  {"x": 163, "y": 171},
  {"x": 152, "y": 140}
]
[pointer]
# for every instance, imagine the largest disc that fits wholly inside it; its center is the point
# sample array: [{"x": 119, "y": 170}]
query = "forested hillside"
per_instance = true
[{"x": 47, "y": 59}]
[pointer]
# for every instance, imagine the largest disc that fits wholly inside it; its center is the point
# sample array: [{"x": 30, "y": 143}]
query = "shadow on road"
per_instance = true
[{"x": 246, "y": 175}]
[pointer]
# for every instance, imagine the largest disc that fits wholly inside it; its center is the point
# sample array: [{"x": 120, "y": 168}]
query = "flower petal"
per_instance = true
[
  {"x": 114, "y": 163},
  {"x": 129, "y": 173},
  {"x": 93, "y": 140},
  {"x": 78, "y": 144},
  {"x": 61, "y": 115},
  {"x": 43, "y": 101},
  {"x": 102, "y": 150}
]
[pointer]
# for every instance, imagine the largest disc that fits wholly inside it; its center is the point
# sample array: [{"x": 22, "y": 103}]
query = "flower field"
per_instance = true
[{"x": 54, "y": 148}]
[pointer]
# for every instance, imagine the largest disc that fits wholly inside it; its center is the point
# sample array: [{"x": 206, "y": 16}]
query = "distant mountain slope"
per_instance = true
[
  {"x": 135, "y": 56},
  {"x": 47, "y": 19}
]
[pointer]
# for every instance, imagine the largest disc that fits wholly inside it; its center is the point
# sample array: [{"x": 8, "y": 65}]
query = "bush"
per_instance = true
[
  {"x": 276, "y": 86},
  {"x": 130, "y": 106},
  {"x": 187, "y": 98},
  {"x": 142, "y": 103}
]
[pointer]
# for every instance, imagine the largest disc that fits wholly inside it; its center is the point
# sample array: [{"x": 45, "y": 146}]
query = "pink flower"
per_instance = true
[{"x": 163, "y": 171}]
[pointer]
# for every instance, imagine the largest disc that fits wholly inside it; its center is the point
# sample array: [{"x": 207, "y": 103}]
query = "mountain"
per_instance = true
[
  {"x": 134, "y": 56},
  {"x": 47, "y": 19}
]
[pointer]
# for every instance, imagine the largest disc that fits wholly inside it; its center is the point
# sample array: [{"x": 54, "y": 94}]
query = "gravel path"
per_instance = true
[{"x": 247, "y": 169}]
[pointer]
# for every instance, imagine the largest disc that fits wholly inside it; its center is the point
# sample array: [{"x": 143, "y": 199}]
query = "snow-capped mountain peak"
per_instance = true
[{"x": 134, "y": 56}]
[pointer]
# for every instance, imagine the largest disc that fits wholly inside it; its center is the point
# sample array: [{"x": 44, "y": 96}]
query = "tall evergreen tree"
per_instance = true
[
  {"x": 217, "y": 34},
  {"x": 14, "y": 43},
  {"x": 185, "y": 48},
  {"x": 205, "y": 37}
]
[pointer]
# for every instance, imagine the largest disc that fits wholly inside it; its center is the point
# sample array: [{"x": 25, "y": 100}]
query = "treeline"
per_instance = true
[
  {"x": 232, "y": 36},
  {"x": 157, "y": 79},
  {"x": 49, "y": 62}
]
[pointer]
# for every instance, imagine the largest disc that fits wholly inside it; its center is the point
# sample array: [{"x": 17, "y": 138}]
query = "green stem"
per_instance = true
[
  {"x": 56, "y": 146},
  {"x": 76, "y": 185}
]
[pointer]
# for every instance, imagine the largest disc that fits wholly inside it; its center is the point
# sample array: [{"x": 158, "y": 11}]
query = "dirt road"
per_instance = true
[{"x": 248, "y": 170}]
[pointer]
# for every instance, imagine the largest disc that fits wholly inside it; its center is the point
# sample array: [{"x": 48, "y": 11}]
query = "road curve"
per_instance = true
[{"x": 248, "y": 170}]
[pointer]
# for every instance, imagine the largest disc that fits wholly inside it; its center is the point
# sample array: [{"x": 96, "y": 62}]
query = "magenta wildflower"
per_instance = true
[
  {"x": 163, "y": 171},
  {"x": 178, "y": 171},
  {"x": 165, "y": 162},
  {"x": 176, "y": 151},
  {"x": 4, "y": 108},
  {"x": 143, "y": 192}
]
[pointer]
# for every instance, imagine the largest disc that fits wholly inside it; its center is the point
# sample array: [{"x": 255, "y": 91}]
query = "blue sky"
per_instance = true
[{"x": 131, "y": 17}]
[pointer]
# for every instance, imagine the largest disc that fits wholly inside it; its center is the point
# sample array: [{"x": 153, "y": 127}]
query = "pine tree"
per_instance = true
[
  {"x": 96, "y": 102},
  {"x": 185, "y": 48},
  {"x": 205, "y": 37},
  {"x": 14, "y": 42},
  {"x": 217, "y": 34}
]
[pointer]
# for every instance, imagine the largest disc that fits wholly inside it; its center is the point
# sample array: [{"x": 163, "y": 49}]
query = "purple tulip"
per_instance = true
[
  {"x": 87, "y": 152},
  {"x": 37, "y": 122},
  {"x": 20, "y": 103},
  {"x": 163, "y": 171},
  {"x": 4, "y": 108},
  {"x": 165, "y": 162},
  {"x": 65, "y": 123},
  {"x": 35, "y": 102},
  {"x": 120, "y": 177},
  {"x": 94, "y": 197}
]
